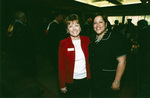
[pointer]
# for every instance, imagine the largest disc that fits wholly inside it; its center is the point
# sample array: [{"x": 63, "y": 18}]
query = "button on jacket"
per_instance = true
[{"x": 66, "y": 59}]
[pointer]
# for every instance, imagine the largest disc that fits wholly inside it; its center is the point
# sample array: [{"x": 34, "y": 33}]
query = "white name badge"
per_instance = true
[{"x": 70, "y": 49}]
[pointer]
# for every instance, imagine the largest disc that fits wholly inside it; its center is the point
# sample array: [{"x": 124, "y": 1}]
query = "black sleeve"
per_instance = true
[{"x": 119, "y": 45}]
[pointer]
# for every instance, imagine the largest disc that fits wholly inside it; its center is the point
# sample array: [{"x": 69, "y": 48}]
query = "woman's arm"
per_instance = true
[
  {"x": 61, "y": 68},
  {"x": 120, "y": 70}
]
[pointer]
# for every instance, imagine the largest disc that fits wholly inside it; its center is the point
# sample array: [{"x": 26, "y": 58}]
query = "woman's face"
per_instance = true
[
  {"x": 99, "y": 25},
  {"x": 74, "y": 29}
]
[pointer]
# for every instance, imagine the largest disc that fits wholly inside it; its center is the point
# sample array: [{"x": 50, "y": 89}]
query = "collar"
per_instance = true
[
  {"x": 69, "y": 42},
  {"x": 106, "y": 36},
  {"x": 56, "y": 21},
  {"x": 144, "y": 27},
  {"x": 51, "y": 23},
  {"x": 18, "y": 21}
]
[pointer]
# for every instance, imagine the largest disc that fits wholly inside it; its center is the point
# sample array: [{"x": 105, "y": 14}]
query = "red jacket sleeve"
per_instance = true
[{"x": 61, "y": 66}]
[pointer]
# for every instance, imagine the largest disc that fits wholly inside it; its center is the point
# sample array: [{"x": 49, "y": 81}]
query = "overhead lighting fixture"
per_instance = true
[{"x": 106, "y": 3}]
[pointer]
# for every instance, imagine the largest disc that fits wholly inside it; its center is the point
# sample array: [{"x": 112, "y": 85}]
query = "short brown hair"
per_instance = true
[{"x": 72, "y": 17}]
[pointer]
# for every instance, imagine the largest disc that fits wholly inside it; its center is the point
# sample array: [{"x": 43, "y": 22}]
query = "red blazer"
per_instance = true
[{"x": 66, "y": 59}]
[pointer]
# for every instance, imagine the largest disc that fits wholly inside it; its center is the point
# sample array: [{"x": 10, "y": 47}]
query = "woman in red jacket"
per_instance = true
[{"x": 74, "y": 72}]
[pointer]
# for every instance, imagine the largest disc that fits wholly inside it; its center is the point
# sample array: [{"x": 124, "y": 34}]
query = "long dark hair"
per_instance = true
[
  {"x": 105, "y": 18},
  {"x": 93, "y": 35}
]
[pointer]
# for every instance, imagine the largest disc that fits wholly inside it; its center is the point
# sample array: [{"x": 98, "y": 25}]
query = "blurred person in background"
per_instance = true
[
  {"x": 53, "y": 37},
  {"x": 21, "y": 45},
  {"x": 144, "y": 58}
]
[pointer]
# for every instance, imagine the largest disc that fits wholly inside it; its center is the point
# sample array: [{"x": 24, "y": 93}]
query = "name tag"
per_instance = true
[{"x": 70, "y": 49}]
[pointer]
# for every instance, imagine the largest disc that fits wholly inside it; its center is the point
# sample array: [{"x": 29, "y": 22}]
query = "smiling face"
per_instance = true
[
  {"x": 99, "y": 25},
  {"x": 73, "y": 28}
]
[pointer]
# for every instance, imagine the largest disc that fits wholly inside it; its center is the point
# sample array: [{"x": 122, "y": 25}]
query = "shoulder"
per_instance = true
[
  {"x": 117, "y": 35},
  {"x": 65, "y": 41},
  {"x": 53, "y": 24},
  {"x": 85, "y": 38},
  {"x": 17, "y": 24},
  {"x": 147, "y": 29},
  {"x": 18, "y": 27},
  {"x": 119, "y": 39}
]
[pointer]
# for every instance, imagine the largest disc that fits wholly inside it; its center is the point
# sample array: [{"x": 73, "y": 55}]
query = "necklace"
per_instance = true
[{"x": 76, "y": 43}]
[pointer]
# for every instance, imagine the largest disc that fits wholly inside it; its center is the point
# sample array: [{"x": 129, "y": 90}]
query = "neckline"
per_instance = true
[{"x": 76, "y": 43}]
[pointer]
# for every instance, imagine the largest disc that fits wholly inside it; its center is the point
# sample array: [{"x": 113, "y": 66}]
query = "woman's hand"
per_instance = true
[
  {"x": 63, "y": 90},
  {"x": 119, "y": 72},
  {"x": 115, "y": 86}
]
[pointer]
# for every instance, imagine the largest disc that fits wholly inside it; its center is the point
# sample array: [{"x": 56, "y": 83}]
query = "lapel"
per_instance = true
[
  {"x": 106, "y": 36},
  {"x": 72, "y": 53},
  {"x": 83, "y": 46},
  {"x": 69, "y": 42}
]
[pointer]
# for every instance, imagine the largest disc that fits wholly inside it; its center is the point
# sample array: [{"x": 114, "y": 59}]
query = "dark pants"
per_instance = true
[
  {"x": 79, "y": 89},
  {"x": 101, "y": 86}
]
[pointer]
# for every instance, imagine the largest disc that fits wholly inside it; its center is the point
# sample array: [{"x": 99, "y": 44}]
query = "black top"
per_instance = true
[{"x": 103, "y": 54}]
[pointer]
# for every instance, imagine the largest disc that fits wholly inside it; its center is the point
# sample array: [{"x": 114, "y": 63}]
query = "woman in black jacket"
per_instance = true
[{"x": 107, "y": 59}]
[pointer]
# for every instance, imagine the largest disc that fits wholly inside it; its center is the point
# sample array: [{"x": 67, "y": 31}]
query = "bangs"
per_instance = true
[
  {"x": 72, "y": 22},
  {"x": 72, "y": 18}
]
